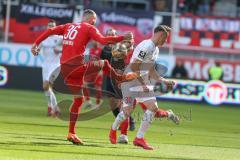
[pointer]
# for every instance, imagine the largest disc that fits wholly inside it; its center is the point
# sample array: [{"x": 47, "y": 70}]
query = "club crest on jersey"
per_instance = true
[{"x": 142, "y": 54}]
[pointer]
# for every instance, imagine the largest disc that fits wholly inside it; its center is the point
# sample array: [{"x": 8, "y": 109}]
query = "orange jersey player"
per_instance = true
[{"x": 73, "y": 68}]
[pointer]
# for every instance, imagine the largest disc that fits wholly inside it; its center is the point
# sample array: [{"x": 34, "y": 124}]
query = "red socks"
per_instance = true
[
  {"x": 160, "y": 112},
  {"x": 124, "y": 126},
  {"x": 74, "y": 112},
  {"x": 86, "y": 93},
  {"x": 98, "y": 96}
]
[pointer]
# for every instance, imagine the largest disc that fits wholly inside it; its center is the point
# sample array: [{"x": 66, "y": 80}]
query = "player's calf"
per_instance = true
[{"x": 173, "y": 117}]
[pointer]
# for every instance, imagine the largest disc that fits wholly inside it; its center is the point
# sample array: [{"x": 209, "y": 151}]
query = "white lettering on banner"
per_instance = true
[
  {"x": 210, "y": 24},
  {"x": 237, "y": 73},
  {"x": 186, "y": 23},
  {"x": 177, "y": 39},
  {"x": 113, "y": 17},
  {"x": 227, "y": 72},
  {"x": 205, "y": 70},
  {"x": 207, "y": 42},
  {"x": 193, "y": 70},
  {"x": 46, "y": 11},
  {"x": 18, "y": 54},
  {"x": 226, "y": 43}
]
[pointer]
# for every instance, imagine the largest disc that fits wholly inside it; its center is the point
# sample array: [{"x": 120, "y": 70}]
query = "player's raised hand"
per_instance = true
[
  {"x": 128, "y": 36},
  {"x": 35, "y": 50}
]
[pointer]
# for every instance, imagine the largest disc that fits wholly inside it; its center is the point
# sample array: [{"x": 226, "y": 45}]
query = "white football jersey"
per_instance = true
[
  {"x": 147, "y": 52},
  {"x": 47, "y": 49}
]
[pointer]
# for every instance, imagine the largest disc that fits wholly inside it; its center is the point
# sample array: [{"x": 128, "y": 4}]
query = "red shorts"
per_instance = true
[
  {"x": 75, "y": 74},
  {"x": 96, "y": 80}
]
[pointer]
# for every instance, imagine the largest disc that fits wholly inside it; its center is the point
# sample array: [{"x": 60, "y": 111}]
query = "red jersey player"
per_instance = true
[
  {"x": 94, "y": 79},
  {"x": 73, "y": 68}
]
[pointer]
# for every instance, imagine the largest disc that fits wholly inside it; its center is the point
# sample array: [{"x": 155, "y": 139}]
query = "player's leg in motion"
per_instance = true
[
  {"x": 148, "y": 117},
  {"x": 128, "y": 102},
  {"x": 74, "y": 113},
  {"x": 160, "y": 113},
  {"x": 47, "y": 72},
  {"x": 151, "y": 111},
  {"x": 86, "y": 93},
  {"x": 124, "y": 131},
  {"x": 116, "y": 106},
  {"x": 51, "y": 98},
  {"x": 98, "y": 91},
  {"x": 123, "y": 115}
]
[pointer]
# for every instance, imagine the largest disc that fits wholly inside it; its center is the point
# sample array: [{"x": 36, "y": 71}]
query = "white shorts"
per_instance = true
[
  {"x": 133, "y": 90},
  {"x": 50, "y": 72}
]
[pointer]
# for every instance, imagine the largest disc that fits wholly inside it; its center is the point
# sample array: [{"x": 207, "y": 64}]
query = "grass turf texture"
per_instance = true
[{"x": 26, "y": 133}]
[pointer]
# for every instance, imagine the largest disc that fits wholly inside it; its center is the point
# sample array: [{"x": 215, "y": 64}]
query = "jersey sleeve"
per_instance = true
[
  {"x": 144, "y": 53},
  {"x": 97, "y": 36},
  {"x": 58, "y": 30}
]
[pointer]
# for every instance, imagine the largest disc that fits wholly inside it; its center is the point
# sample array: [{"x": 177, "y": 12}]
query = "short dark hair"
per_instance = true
[
  {"x": 88, "y": 11},
  {"x": 162, "y": 28},
  {"x": 218, "y": 64}
]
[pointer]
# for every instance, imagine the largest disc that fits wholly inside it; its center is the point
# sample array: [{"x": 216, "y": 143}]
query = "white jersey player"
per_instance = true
[
  {"x": 51, "y": 51},
  {"x": 143, "y": 62}
]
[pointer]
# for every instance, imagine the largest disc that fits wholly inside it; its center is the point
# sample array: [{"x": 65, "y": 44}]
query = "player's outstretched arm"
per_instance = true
[
  {"x": 97, "y": 36},
  {"x": 58, "y": 30}
]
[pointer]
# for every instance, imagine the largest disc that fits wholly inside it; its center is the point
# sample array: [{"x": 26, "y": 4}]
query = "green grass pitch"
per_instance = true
[{"x": 26, "y": 133}]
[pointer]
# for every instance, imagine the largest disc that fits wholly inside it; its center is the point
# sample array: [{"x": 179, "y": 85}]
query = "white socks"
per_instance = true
[
  {"x": 118, "y": 120},
  {"x": 51, "y": 98},
  {"x": 48, "y": 96},
  {"x": 147, "y": 119}
]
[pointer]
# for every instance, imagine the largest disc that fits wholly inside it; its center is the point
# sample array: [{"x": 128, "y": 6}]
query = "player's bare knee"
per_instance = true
[
  {"x": 46, "y": 86},
  {"x": 151, "y": 105}
]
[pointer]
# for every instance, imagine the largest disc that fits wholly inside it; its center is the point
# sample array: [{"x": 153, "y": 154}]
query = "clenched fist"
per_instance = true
[{"x": 35, "y": 50}]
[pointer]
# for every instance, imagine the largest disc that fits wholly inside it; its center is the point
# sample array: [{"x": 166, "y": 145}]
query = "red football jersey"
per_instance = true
[
  {"x": 76, "y": 37},
  {"x": 95, "y": 51},
  {"x": 129, "y": 56}
]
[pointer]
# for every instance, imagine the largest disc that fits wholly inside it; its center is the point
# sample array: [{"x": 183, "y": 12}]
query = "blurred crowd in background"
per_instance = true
[{"x": 229, "y": 8}]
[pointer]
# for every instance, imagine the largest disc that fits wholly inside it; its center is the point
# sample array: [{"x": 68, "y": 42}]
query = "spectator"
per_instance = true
[
  {"x": 182, "y": 6},
  {"x": 204, "y": 7},
  {"x": 179, "y": 71},
  {"x": 216, "y": 72},
  {"x": 160, "y": 5}
]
